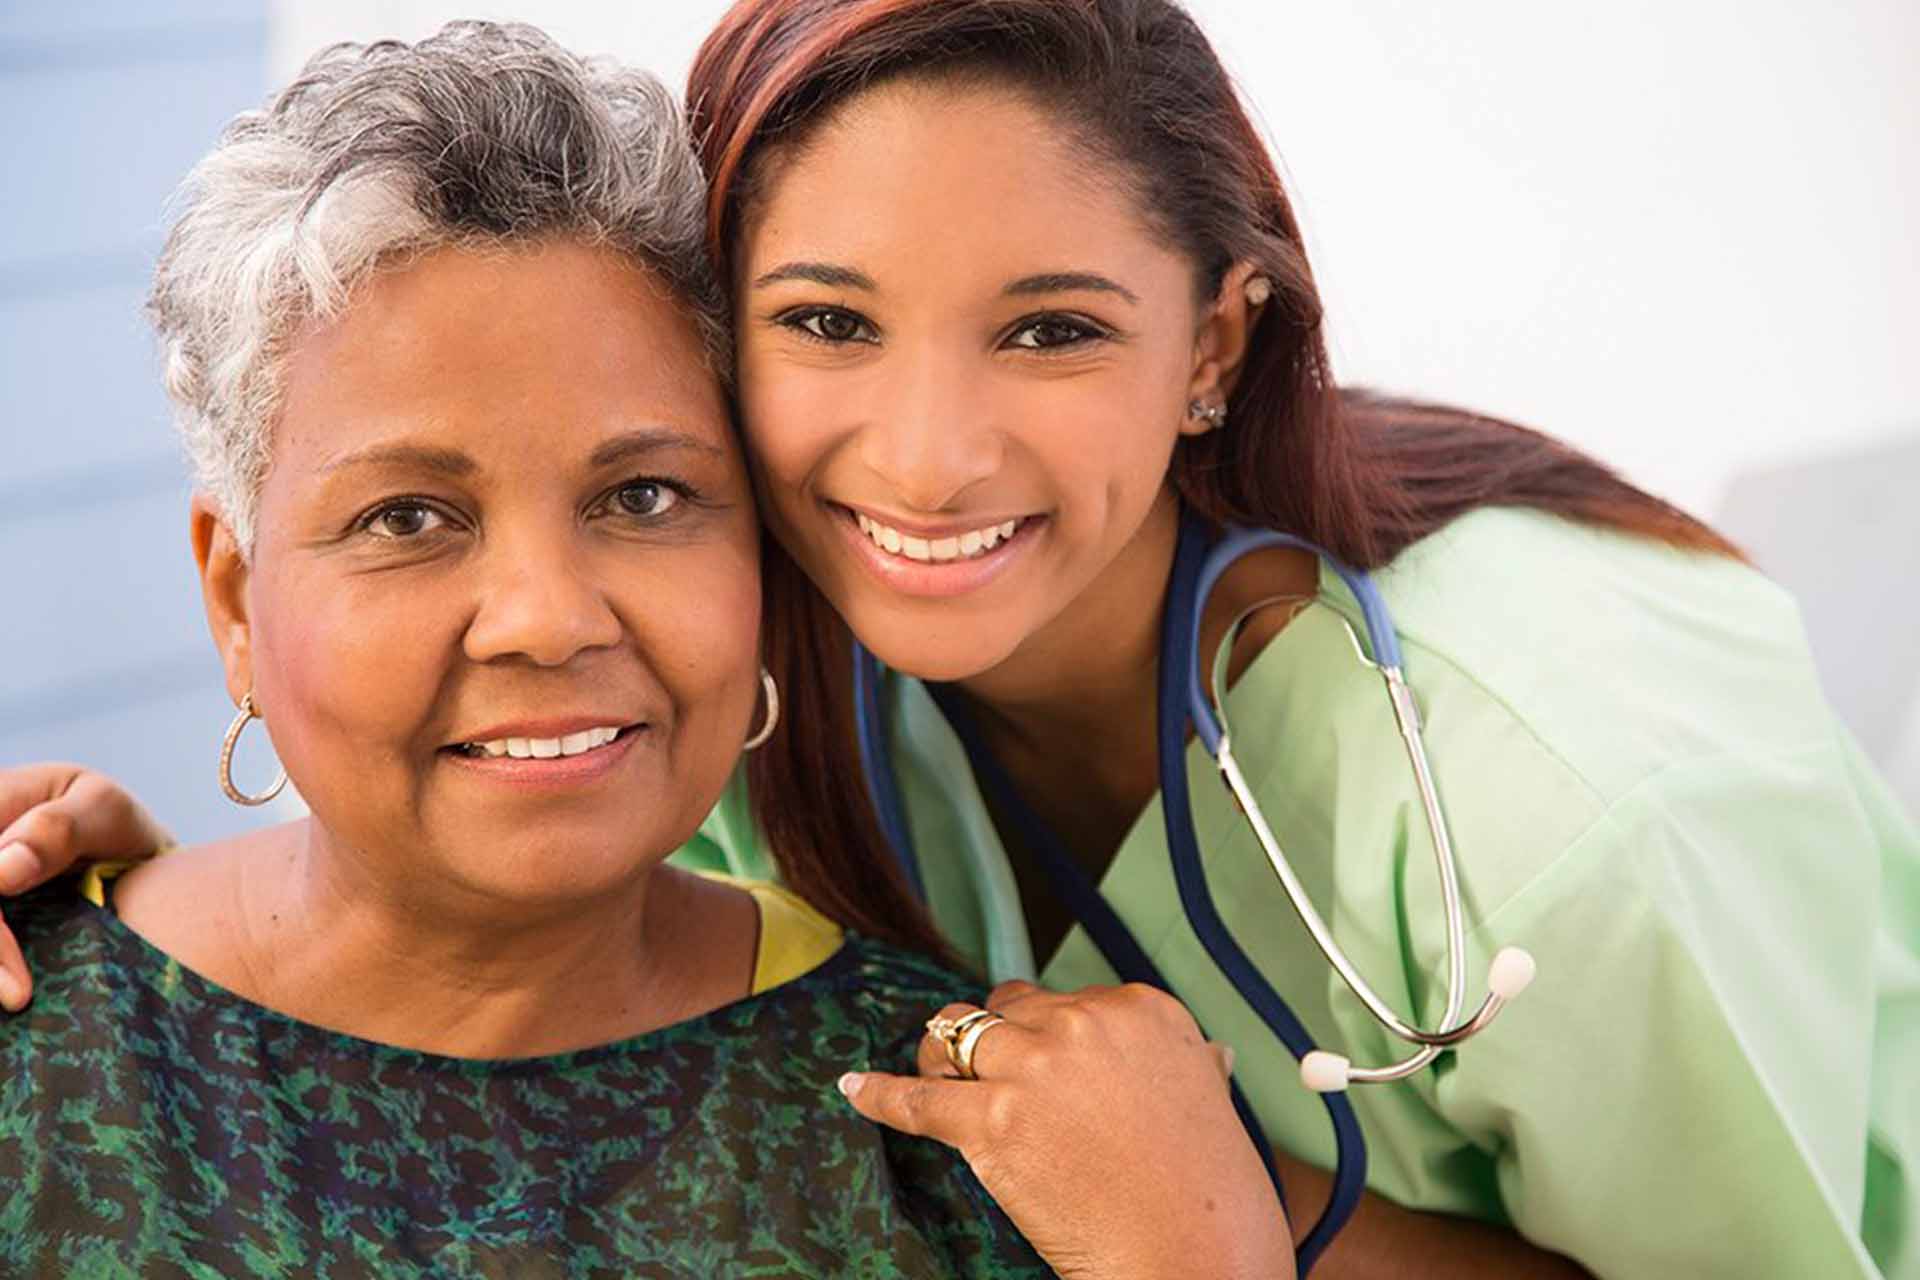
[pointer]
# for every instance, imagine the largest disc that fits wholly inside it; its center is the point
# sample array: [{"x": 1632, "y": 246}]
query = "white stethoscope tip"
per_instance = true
[
  {"x": 1510, "y": 973},
  {"x": 1325, "y": 1072}
]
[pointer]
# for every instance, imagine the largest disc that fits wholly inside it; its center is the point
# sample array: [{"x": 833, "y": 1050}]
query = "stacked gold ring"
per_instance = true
[{"x": 959, "y": 1037}]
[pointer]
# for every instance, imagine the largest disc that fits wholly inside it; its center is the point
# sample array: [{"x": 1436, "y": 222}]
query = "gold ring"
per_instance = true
[
  {"x": 963, "y": 1053},
  {"x": 949, "y": 1032}
]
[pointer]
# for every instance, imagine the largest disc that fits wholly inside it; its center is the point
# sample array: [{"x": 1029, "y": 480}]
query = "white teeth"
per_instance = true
[
  {"x": 963, "y": 546},
  {"x": 549, "y": 748}
]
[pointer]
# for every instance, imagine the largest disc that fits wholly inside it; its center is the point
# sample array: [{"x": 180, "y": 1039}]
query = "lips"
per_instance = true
[
  {"x": 962, "y": 546},
  {"x": 928, "y": 561},
  {"x": 544, "y": 740},
  {"x": 573, "y": 744}
]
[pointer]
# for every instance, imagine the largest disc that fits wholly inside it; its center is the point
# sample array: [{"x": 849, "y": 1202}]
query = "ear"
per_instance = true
[
  {"x": 1220, "y": 345},
  {"x": 223, "y": 590}
]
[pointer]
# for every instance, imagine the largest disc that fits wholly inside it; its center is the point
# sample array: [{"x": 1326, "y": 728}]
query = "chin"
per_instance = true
[
  {"x": 554, "y": 867},
  {"x": 939, "y": 654}
]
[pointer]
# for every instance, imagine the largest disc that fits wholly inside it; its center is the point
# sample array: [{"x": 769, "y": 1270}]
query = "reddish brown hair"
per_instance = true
[{"x": 1363, "y": 476}]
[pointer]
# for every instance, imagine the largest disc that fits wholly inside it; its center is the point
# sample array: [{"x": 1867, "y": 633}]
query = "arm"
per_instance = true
[
  {"x": 1102, "y": 1125},
  {"x": 1386, "y": 1241},
  {"x": 1702, "y": 1082},
  {"x": 52, "y": 816}
]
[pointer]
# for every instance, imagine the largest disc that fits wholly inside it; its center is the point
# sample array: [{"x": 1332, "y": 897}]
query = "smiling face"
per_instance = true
[
  {"x": 505, "y": 516},
  {"x": 964, "y": 363}
]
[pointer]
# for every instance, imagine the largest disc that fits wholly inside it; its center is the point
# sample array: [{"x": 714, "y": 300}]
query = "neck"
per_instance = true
[
  {"x": 1087, "y": 675},
  {"x": 320, "y": 934},
  {"x": 1080, "y": 694}
]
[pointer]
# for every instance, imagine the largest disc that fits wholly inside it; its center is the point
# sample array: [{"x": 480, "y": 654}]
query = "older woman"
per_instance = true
[{"x": 477, "y": 545}]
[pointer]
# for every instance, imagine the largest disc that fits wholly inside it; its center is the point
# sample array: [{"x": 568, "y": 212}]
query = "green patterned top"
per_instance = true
[{"x": 153, "y": 1124}]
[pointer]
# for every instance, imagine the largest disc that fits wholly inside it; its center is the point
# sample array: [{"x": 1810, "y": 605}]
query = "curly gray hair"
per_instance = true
[{"x": 481, "y": 134}]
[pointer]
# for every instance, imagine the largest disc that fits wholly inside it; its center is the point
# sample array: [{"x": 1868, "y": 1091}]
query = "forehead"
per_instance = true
[
  {"x": 529, "y": 348},
  {"x": 960, "y": 171}
]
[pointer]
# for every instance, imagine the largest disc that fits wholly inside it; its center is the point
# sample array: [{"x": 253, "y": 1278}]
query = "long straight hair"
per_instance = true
[{"x": 1363, "y": 476}]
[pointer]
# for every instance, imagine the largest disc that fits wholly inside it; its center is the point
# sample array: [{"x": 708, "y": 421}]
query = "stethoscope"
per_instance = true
[{"x": 1198, "y": 563}]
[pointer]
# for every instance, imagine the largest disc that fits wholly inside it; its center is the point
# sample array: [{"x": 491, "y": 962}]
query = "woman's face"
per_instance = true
[
  {"x": 505, "y": 517},
  {"x": 964, "y": 364}
]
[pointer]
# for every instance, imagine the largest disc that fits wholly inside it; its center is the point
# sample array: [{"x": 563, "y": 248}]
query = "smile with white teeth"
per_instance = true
[
  {"x": 967, "y": 546},
  {"x": 545, "y": 748}
]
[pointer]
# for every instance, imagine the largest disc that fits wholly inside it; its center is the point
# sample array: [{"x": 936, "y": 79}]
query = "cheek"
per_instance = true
[
  {"x": 339, "y": 666},
  {"x": 700, "y": 630},
  {"x": 791, "y": 422},
  {"x": 1108, "y": 438}
]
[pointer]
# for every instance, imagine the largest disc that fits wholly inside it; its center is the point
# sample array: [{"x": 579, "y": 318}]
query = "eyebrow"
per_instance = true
[
  {"x": 648, "y": 441},
  {"x": 1066, "y": 282},
  {"x": 451, "y": 462},
  {"x": 840, "y": 277},
  {"x": 819, "y": 273}
]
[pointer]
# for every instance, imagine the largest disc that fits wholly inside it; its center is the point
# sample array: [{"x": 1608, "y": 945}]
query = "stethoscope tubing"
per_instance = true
[{"x": 1512, "y": 969}]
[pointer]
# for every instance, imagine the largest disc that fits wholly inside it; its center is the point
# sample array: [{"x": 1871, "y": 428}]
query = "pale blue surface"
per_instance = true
[{"x": 108, "y": 104}]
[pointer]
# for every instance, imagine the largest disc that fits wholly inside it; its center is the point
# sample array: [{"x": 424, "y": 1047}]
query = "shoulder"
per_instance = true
[
  {"x": 81, "y": 969},
  {"x": 1579, "y": 690},
  {"x": 794, "y": 938},
  {"x": 1616, "y": 655},
  {"x": 58, "y": 930},
  {"x": 891, "y": 992}
]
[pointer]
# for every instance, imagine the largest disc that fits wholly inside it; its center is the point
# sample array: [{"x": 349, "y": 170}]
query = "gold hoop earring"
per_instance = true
[
  {"x": 227, "y": 745},
  {"x": 772, "y": 690}
]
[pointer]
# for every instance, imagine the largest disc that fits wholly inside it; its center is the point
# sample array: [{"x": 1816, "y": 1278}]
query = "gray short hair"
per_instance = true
[{"x": 481, "y": 134}]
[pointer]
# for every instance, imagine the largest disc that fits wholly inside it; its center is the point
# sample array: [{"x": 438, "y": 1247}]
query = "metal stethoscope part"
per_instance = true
[{"x": 1512, "y": 967}]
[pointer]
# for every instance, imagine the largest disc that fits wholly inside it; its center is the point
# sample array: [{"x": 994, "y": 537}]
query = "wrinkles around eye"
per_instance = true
[{"x": 402, "y": 521}]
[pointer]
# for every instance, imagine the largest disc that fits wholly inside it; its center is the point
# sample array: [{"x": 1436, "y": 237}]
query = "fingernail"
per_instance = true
[
  {"x": 850, "y": 1083},
  {"x": 18, "y": 866},
  {"x": 12, "y": 998},
  {"x": 1227, "y": 1058}
]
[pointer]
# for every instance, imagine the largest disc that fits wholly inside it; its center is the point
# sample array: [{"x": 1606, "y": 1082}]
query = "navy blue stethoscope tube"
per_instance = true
[{"x": 1197, "y": 564}]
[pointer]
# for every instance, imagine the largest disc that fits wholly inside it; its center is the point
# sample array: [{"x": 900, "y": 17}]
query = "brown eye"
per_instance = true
[
  {"x": 645, "y": 499},
  {"x": 1048, "y": 333},
  {"x": 830, "y": 324},
  {"x": 403, "y": 520}
]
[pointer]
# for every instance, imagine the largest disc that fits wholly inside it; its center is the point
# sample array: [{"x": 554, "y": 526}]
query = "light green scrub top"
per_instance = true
[{"x": 1717, "y": 1071}]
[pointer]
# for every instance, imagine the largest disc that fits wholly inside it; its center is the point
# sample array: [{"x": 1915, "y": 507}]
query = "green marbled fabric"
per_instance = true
[{"x": 155, "y": 1125}]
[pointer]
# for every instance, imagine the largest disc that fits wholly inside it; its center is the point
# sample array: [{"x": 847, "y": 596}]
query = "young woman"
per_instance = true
[{"x": 1023, "y": 322}]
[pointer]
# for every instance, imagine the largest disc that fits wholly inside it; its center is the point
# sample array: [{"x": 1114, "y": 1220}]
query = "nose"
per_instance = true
[
  {"x": 540, "y": 603},
  {"x": 933, "y": 439}
]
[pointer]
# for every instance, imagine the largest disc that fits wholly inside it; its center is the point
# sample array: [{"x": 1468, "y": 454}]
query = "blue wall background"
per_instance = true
[{"x": 106, "y": 105}]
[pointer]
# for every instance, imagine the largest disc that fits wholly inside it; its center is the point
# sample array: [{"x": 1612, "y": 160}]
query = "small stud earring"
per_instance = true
[
  {"x": 1259, "y": 289},
  {"x": 1214, "y": 415}
]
